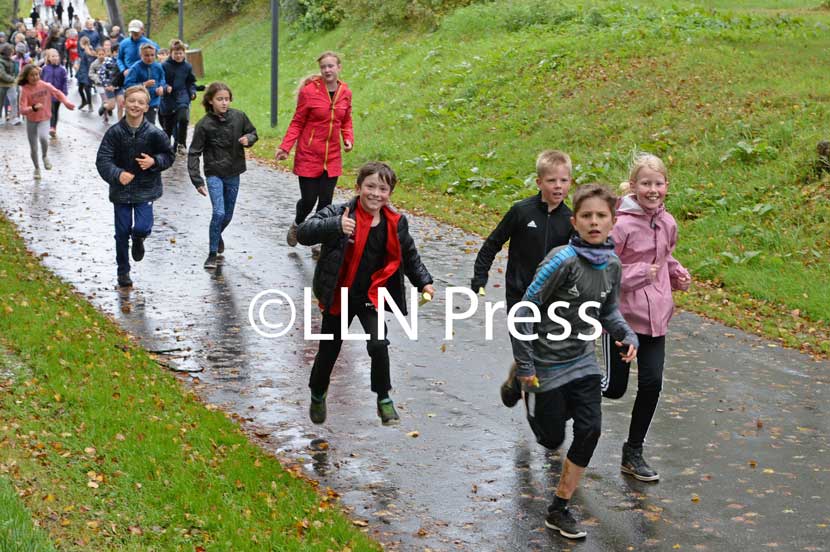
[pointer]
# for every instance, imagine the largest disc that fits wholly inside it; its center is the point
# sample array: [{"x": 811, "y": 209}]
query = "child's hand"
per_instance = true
[
  {"x": 630, "y": 354},
  {"x": 125, "y": 177},
  {"x": 652, "y": 272},
  {"x": 37, "y": 107},
  {"x": 347, "y": 145},
  {"x": 149, "y": 83},
  {"x": 281, "y": 155},
  {"x": 244, "y": 141},
  {"x": 429, "y": 289},
  {"x": 202, "y": 190},
  {"x": 160, "y": 91},
  {"x": 145, "y": 161},
  {"x": 529, "y": 381},
  {"x": 70, "y": 106},
  {"x": 347, "y": 224},
  {"x": 169, "y": 89}
]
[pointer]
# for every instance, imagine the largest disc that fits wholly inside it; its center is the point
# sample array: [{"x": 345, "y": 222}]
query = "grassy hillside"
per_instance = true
[{"x": 733, "y": 99}]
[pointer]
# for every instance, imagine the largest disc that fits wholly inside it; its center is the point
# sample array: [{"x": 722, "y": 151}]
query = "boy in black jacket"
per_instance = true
[
  {"x": 174, "y": 110},
  {"x": 534, "y": 226},
  {"x": 366, "y": 246},
  {"x": 130, "y": 158}
]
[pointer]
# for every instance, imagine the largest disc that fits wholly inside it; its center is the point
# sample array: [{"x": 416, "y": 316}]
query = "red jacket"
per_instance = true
[
  {"x": 72, "y": 49},
  {"x": 318, "y": 123}
]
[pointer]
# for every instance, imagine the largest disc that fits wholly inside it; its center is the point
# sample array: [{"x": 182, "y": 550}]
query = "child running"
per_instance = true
[
  {"x": 36, "y": 105},
  {"x": 556, "y": 363},
  {"x": 645, "y": 237},
  {"x": 54, "y": 73},
  {"x": 366, "y": 245},
  {"x": 174, "y": 110},
  {"x": 130, "y": 159},
  {"x": 534, "y": 226},
  {"x": 221, "y": 135},
  {"x": 148, "y": 71}
]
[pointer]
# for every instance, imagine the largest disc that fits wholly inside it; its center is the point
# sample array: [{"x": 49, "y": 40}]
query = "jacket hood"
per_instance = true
[{"x": 629, "y": 206}]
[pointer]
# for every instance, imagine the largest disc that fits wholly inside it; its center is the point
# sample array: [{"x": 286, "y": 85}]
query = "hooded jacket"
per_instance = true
[
  {"x": 324, "y": 227},
  {"x": 7, "y": 72},
  {"x": 318, "y": 124},
  {"x": 117, "y": 153},
  {"x": 642, "y": 239},
  {"x": 56, "y": 76},
  {"x": 217, "y": 138}
]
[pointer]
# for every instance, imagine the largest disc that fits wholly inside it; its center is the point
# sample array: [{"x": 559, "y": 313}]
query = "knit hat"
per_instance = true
[{"x": 21, "y": 48}]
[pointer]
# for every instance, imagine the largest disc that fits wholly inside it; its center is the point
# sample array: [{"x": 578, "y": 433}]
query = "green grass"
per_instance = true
[
  {"x": 731, "y": 99},
  {"x": 17, "y": 532},
  {"x": 108, "y": 451}
]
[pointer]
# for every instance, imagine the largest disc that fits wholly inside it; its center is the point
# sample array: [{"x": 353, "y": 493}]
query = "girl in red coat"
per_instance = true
[{"x": 323, "y": 115}]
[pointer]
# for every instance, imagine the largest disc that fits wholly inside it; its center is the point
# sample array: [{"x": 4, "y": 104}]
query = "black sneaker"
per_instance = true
[
  {"x": 386, "y": 411},
  {"x": 317, "y": 410},
  {"x": 511, "y": 391},
  {"x": 210, "y": 262},
  {"x": 124, "y": 280},
  {"x": 564, "y": 522},
  {"x": 138, "y": 249},
  {"x": 221, "y": 246},
  {"x": 635, "y": 465}
]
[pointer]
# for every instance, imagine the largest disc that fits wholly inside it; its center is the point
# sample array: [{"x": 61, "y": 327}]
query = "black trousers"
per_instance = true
[
  {"x": 319, "y": 190},
  {"x": 650, "y": 360},
  {"x": 328, "y": 352},
  {"x": 85, "y": 90},
  {"x": 579, "y": 399},
  {"x": 174, "y": 125},
  {"x": 55, "y": 106}
]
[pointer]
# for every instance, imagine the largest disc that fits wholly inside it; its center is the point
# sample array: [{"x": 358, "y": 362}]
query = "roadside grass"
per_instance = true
[
  {"x": 107, "y": 450},
  {"x": 729, "y": 94}
]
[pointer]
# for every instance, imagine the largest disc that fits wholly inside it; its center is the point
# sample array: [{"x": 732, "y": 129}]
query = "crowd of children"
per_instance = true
[{"x": 615, "y": 253}]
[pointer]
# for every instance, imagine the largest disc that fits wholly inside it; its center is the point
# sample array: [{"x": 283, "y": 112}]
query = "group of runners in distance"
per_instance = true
[{"x": 613, "y": 251}]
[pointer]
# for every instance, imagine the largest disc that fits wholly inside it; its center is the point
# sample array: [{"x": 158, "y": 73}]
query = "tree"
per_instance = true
[{"x": 114, "y": 12}]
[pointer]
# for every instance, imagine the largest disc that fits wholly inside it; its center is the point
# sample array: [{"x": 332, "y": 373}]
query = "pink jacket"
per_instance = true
[
  {"x": 641, "y": 240},
  {"x": 40, "y": 93}
]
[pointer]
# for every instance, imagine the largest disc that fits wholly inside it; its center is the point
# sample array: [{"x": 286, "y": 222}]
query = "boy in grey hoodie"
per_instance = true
[{"x": 572, "y": 297}]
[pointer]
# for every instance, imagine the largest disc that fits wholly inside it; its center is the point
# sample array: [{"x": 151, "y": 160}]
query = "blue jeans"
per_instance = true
[
  {"x": 125, "y": 227},
  {"x": 223, "y": 192}
]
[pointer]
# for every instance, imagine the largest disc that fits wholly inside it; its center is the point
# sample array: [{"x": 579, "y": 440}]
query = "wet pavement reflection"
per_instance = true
[{"x": 740, "y": 437}]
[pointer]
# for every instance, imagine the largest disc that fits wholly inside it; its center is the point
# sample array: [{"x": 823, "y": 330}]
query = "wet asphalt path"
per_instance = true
[{"x": 740, "y": 439}]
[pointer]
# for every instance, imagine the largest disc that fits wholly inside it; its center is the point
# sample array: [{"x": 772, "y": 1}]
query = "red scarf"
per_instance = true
[{"x": 354, "y": 251}]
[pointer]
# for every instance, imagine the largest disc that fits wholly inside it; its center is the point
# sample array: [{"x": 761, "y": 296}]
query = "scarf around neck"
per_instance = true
[{"x": 597, "y": 255}]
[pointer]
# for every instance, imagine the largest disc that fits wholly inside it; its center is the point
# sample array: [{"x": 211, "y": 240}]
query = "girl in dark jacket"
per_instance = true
[
  {"x": 221, "y": 136},
  {"x": 130, "y": 159},
  {"x": 323, "y": 116},
  {"x": 366, "y": 247}
]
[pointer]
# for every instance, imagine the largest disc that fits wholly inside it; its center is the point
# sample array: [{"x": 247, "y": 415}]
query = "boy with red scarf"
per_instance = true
[{"x": 366, "y": 245}]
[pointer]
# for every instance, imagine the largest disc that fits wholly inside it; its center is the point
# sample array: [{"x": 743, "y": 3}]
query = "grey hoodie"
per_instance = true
[{"x": 566, "y": 275}]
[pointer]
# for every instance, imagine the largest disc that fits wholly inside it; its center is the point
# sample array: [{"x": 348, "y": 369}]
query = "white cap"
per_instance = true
[{"x": 136, "y": 26}]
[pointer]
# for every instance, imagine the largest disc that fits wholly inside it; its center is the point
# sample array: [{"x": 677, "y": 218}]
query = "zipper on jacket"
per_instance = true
[
  {"x": 310, "y": 138},
  {"x": 331, "y": 126},
  {"x": 547, "y": 226}
]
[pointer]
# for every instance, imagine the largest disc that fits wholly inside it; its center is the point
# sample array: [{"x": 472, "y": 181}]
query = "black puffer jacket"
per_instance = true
[
  {"x": 118, "y": 152},
  {"x": 218, "y": 139},
  {"x": 324, "y": 227}
]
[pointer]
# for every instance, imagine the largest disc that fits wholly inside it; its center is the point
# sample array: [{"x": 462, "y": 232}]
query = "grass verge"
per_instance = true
[{"x": 107, "y": 450}]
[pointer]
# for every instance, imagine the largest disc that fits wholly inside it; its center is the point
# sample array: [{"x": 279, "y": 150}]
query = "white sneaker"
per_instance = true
[
  {"x": 17, "y": 122},
  {"x": 47, "y": 164},
  {"x": 291, "y": 238},
  {"x": 37, "y": 174}
]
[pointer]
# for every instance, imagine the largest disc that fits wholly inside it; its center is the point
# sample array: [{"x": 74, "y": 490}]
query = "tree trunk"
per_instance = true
[
  {"x": 114, "y": 12},
  {"x": 15, "y": 9}
]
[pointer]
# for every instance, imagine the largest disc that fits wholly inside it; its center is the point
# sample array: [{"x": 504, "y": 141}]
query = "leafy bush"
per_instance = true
[
  {"x": 400, "y": 13},
  {"x": 313, "y": 15}
]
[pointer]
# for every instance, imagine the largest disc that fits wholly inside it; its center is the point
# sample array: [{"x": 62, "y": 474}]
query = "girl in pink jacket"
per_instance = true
[
  {"x": 36, "y": 105},
  {"x": 645, "y": 236}
]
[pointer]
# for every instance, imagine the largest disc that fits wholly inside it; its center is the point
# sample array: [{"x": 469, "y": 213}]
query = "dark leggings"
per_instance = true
[
  {"x": 175, "y": 125},
  {"x": 378, "y": 350},
  {"x": 317, "y": 190},
  {"x": 55, "y": 106},
  {"x": 580, "y": 399},
  {"x": 650, "y": 359},
  {"x": 85, "y": 90}
]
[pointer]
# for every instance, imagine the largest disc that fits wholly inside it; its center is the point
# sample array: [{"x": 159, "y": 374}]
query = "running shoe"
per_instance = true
[
  {"x": 53, "y": 132},
  {"x": 37, "y": 174},
  {"x": 511, "y": 391},
  {"x": 386, "y": 411},
  {"x": 138, "y": 249},
  {"x": 634, "y": 464},
  {"x": 124, "y": 279},
  {"x": 47, "y": 164},
  {"x": 210, "y": 262},
  {"x": 291, "y": 238},
  {"x": 564, "y": 522},
  {"x": 221, "y": 246},
  {"x": 317, "y": 410}
]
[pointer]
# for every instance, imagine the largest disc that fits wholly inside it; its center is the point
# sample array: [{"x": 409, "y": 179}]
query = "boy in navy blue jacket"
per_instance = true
[
  {"x": 149, "y": 73},
  {"x": 174, "y": 112}
]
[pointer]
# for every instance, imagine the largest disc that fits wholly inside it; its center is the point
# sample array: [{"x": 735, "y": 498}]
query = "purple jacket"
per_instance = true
[
  {"x": 642, "y": 239},
  {"x": 55, "y": 75}
]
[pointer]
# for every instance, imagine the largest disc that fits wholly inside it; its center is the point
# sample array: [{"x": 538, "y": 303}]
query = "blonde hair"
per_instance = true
[
  {"x": 145, "y": 46},
  {"x": 551, "y": 158},
  {"x": 649, "y": 161},
  {"x": 137, "y": 89}
]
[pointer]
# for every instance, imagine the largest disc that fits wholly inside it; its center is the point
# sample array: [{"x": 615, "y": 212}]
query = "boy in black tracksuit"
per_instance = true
[
  {"x": 534, "y": 226},
  {"x": 366, "y": 246},
  {"x": 174, "y": 109}
]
